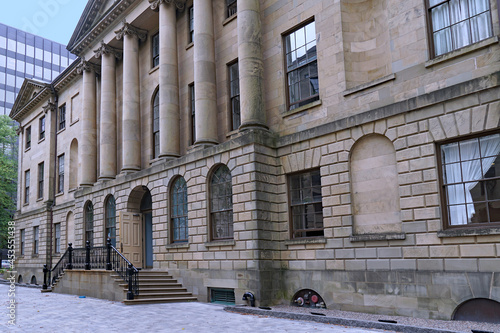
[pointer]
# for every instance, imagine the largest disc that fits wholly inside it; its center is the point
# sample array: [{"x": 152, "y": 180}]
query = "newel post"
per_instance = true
[
  {"x": 45, "y": 271},
  {"x": 108, "y": 255},
  {"x": 87, "y": 256},
  {"x": 70, "y": 258}
]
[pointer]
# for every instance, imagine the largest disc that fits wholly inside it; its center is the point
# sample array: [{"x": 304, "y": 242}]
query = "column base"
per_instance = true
[
  {"x": 252, "y": 125},
  {"x": 129, "y": 169},
  {"x": 86, "y": 185},
  {"x": 168, "y": 156},
  {"x": 205, "y": 143},
  {"x": 105, "y": 178}
]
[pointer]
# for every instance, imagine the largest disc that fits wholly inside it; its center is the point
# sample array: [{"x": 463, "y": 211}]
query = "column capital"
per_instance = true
[
  {"x": 86, "y": 66},
  {"x": 19, "y": 130},
  {"x": 49, "y": 107},
  {"x": 129, "y": 29},
  {"x": 179, "y": 4},
  {"x": 106, "y": 49}
]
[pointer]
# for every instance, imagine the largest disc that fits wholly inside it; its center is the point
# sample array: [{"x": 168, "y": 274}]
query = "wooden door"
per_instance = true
[{"x": 131, "y": 237}]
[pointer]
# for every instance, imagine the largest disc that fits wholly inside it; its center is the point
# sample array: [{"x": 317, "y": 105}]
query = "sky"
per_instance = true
[{"x": 52, "y": 19}]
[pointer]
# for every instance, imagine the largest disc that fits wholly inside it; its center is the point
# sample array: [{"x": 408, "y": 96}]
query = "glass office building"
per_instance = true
[{"x": 24, "y": 55}]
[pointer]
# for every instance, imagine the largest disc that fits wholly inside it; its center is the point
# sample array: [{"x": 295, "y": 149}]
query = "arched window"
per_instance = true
[
  {"x": 156, "y": 125},
  {"x": 179, "y": 212},
  {"x": 89, "y": 223},
  {"x": 221, "y": 203},
  {"x": 110, "y": 217}
]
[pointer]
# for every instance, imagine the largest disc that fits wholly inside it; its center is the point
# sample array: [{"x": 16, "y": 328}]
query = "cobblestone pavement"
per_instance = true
[{"x": 52, "y": 312}]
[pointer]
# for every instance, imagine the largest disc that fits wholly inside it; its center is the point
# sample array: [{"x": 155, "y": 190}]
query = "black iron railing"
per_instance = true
[{"x": 98, "y": 257}]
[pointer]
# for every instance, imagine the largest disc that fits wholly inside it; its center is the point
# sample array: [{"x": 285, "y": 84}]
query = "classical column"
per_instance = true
[
  {"x": 205, "y": 92},
  {"x": 107, "y": 138},
  {"x": 131, "y": 129},
  {"x": 169, "y": 86},
  {"x": 250, "y": 65},
  {"x": 88, "y": 138}
]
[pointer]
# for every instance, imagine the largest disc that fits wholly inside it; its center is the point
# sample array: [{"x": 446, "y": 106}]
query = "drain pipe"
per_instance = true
[
  {"x": 54, "y": 182},
  {"x": 249, "y": 296}
]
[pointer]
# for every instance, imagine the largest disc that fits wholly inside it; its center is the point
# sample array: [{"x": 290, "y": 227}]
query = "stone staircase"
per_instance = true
[{"x": 158, "y": 287}]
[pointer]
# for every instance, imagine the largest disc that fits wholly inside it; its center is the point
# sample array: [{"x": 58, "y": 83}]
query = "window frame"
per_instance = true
[
  {"x": 291, "y": 205},
  {"x": 155, "y": 117},
  {"x": 174, "y": 218},
  {"x": 312, "y": 98},
  {"x": 41, "y": 128},
  {"x": 430, "y": 23},
  {"x": 235, "y": 97},
  {"x": 190, "y": 19},
  {"x": 57, "y": 238},
  {"x": 62, "y": 118},
  {"x": 22, "y": 241},
  {"x": 155, "y": 54},
  {"x": 192, "y": 112},
  {"x": 442, "y": 192},
  {"x": 28, "y": 137},
  {"x": 60, "y": 173},
  {"x": 27, "y": 180},
  {"x": 36, "y": 239},
  {"x": 88, "y": 214},
  {"x": 41, "y": 171},
  {"x": 213, "y": 213},
  {"x": 231, "y": 8},
  {"x": 110, "y": 221}
]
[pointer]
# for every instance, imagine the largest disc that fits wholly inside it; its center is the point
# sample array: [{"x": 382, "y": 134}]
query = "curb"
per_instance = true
[{"x": 336, "y": 320}]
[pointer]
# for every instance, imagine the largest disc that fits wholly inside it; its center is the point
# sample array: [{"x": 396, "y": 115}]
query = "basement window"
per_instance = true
[{"x": 222, "y": 296}]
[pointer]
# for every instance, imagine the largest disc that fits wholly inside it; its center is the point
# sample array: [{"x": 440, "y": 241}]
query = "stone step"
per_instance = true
[
  {"x": 160, "y": 300},
  {"x": 154, "y": 284},
  {"x": 143, "y": 294},
  {"x": 162, "y": 289}
]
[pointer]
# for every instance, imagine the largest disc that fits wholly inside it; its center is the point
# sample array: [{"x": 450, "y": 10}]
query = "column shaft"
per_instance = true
[
  {"x": 131, "y": 131},
  {"x": 250, "y": 65},
  {"x": 169, "y": 86},
  {"x": 88, "y": 151},
  {"x": 204, "y": 74},
  {"x": 107, "y": 157}
]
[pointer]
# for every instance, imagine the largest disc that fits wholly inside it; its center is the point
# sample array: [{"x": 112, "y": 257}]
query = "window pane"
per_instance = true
[
  {"x": 461, "y": 36},
  {"x": 458, "y": 10},
  {"x": 440, "y": 17}
]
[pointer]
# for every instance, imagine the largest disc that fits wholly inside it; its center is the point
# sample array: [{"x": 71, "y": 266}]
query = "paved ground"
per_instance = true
[{"x": 51, "y": 312}]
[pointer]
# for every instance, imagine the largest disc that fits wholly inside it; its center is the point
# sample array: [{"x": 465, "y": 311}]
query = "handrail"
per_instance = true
[{"x": 98, "y": 257}]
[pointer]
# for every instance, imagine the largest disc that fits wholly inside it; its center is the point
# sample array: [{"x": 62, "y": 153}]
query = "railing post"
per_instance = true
[
  {"x": 130, "y": 272},
  {"x": 108, "y": 255},
  {"x": 87, "y": 256},
  {"x": 45, "y": 271},
  {"x": 70, "y": 258}
]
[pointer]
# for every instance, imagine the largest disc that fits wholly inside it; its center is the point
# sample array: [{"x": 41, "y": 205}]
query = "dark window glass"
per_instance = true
[
  {"x": 191, "y": 24},
  {"x": 23, "y": 240},
  {"x": 193, "y": 118},
  {"x": 28, "y": 137},
  {"x": 111, "y": 220},
  {"x": 302, "y": 66},
  {"x": 156, "y": 50},
  {"x": 57, "y": 238},
  {"x": 62, "y": 117},
  {"x": 179, "y": 212},
  {"x": 305, "y": 204},
  {"x": 469, "y": 181},
  {"x": 221, "y": 203},
  {"x": 36, "y": 239},
  {"x": 60, "y": 174},
  {"x": 27, "y": 187},
  {"x": 234, "y": 93},
  {"x": 42, "y": 128},
  {"x": 231, "y": 7},
  {"x": 458, "y": 23},
  {"x": 156, "y": 125},
  {"x": 40, "y": 180},
  {"x": 89, "y": 223}
]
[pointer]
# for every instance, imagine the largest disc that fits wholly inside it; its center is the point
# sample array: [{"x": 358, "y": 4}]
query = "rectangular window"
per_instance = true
[
  {"x": 60, "y": 174},
  {"x": 193, "y": 120},
  {"x": 28, "y": 137},
  {"x": 62, "y": 116},
  {"x": 23, "y": 240},
  {"x": 57, "y": 238},
  {"x": 301, "y": 66},
  {"x": 27, "y": 187},
  {"x": 156, "y": 125},
  {"x": 469, "y": 179},
  {"x": 155, "y": 51},
  {"x": 40, "y": 180},
  {"x": 36, "y": 238},
  {"x": 41, "y": 128},
  {"x": 305, "y": 204},
  {"x": 231, "y": 7},
  {"x": 455, "y": 24},
  {"x": 191, "y": 24},
  {"x": 234, "y": 95}
]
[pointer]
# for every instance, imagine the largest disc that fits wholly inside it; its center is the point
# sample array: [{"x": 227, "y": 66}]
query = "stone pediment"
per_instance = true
[
  {"x": 30, "y": 90},
  {"x": 97, "y": 15}
]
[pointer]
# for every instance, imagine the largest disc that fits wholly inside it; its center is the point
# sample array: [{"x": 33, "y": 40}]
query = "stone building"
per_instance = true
[{"x": 344, "y": 148}]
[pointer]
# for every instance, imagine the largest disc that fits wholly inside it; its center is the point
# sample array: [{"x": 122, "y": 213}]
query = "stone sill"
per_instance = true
[
  {"x": 302, "y": 108},
  {"x": 59, "y": 194},
  {"x": 61, "y": 130},
  {"x": 177, "y": 246},
  {"x": 229, "y": 242},
  {"x": 154, "y": 69},
  {"x": 462, "y": 51},
  {"x": 301, "y": 241},
  {"x": 41, "y": 140},
  {"x": 378, "y": 237},
  {"x": 74, "y": 122},
  {"x": 229, "y": 19},
  {"x": 27, "y": 149},
  {"x": 370, "y": 84},
  {"x": 190, "y": 45},
  {"x": 468, "y": 232}
]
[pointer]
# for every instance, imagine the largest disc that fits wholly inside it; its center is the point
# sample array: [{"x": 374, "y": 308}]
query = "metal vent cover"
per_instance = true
[{"x": 222, "y": 296}]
